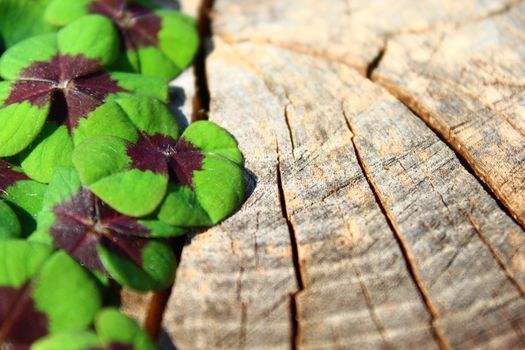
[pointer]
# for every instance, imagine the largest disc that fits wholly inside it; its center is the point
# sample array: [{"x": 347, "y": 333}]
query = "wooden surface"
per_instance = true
[{"x": 368, "y": 225}]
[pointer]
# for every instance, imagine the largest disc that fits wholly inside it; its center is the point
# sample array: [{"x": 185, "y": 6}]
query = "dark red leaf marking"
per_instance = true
[
  {"x": 72, "y": 84},
  {"x": 85, "y": 222},
  {"x": 184, "y": 161},
  {"x": 38, "y": 93},
  {"x": 147, "y": 154},
  {"x": 138, "y": 26},
  {"x": 20, "y": 322},
  {"x": 9, "y": 176},
  {"x": 163, "y": 154},
  {"x": 115, "y": 346}
]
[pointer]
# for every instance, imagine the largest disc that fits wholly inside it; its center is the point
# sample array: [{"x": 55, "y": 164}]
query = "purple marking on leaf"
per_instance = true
[
  {"x": 18, "y": 346},
  {"x": 61, "y": 68},
  {"x": 72, "y": 84},
  {"x": 9, "y": 176},
  {"x": 184, "y": 161},
  {"x": 86, "y": 222},
  {"x": 38, "y": 93},
  {"x": 138, "y": 26},
  {"x": 115, "y": 346},
  {"x": 147, "y": 155},
  {"x": 163, "y": 154},
  {"x": 20, "y": 322}
]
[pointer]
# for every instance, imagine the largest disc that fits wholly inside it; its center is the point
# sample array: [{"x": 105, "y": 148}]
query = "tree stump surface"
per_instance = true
[{"x": 385, "y": 155}]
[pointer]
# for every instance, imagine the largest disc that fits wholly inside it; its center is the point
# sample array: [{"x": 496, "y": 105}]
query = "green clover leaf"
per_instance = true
[
  {"x": 194, "y": 180},
  {"x": 156, "y": 41},
  {"x": 9, "y": 224},
  {"x": 102, "y": 239},
  {"x": 23, "y": 195},
  {"x": 57, "y": 93},
  {"x": 21, "y": 19},
  {"x": 42, "y": 293},
  {"x": 113, "y": 331}
]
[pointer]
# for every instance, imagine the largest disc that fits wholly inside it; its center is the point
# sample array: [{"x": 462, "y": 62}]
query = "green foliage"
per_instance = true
[
  {"x": 9, "y": 224},
  {"x": 194, "y": 180},
  {"x": 95, "y": 172},
  {"x": 58, "y": 93},
  {"x": 21, "y": 19},
  {"x": 156, "y": 41},
  {"x": 112, "y": 329},
  {"x": 47, "y": 286},
  {"x": 102, "y": 239}
]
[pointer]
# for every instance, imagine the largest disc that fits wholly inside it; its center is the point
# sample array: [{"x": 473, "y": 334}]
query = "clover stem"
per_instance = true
[
  {"x": 157, "y": 305},
  {"x": 159, "y": 299}
]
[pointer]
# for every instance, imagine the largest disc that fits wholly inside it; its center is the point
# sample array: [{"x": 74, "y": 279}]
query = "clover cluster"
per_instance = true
[{"x": 95, "y": 172}]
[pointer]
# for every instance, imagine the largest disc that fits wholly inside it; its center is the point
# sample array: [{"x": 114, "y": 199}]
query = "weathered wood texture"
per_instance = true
[
  {"x": 363, "y": 228},
  {"x": 457, "y": 63},
  {"x": 467, "y": 82}
]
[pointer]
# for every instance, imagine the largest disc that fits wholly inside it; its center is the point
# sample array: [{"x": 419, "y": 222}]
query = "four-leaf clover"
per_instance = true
[
  {"x": 197, "y": 178},
  {"x": 42, "y": 292},
  {"x": 59, "y": 78},
  {"x": 155, "y": 41},
  {"x": 102, "y": 239}
]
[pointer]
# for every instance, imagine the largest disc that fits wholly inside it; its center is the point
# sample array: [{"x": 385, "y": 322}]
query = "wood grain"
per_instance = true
[
  {"x": 467, "y": 83},
  {"x": 385, "y": 264},
  {"x": 459, "y": 241},
  {"x": 363, "y": 229},
  {"x": 350, "y": 32}
]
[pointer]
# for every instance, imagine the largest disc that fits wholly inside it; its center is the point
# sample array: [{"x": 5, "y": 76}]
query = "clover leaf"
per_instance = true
[
  {"x": 113, "y": 331},
  {"x": 197, "y": 179},
  {"x": 155, "y": 41},
  {"x": 124, "y": 248},
  {"x": 57, "y": 93},
  {"x": 23, "y": 195},
  {"x": 21, "y": 19},
  {"x": 9, "y": 224},
  {"x": 41, "y": 293}
]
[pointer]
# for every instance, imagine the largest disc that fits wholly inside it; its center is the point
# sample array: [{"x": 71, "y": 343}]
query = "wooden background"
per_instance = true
[{"x": 385, "y": 148}]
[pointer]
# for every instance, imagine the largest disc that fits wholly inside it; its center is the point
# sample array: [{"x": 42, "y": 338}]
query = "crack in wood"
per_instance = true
[
  {"x": 366, "y": 294},
  {"x": 291, "y": 47},
  {"x": 457, "y": 25},
  {"x": 496, "y": 256},
  {"x": 446, "y": 135},
  {"x": 489, "y": 106},
  {"x": 288, "y": 125},
  {"x": 244, "y": 307},
  {"x": 255, "y": 242},
  {"x": 372, "y": 66},
  {"x": 403, "y": 97},
  {"x": 371, "y": 310},
  {"x": 201, "y": 100},
  {"x": 294, "y": 317},
  {"x": 403, "y": 245},
  {"x": 494, "y": 13},
  {"x": 201, "y": 109}
]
